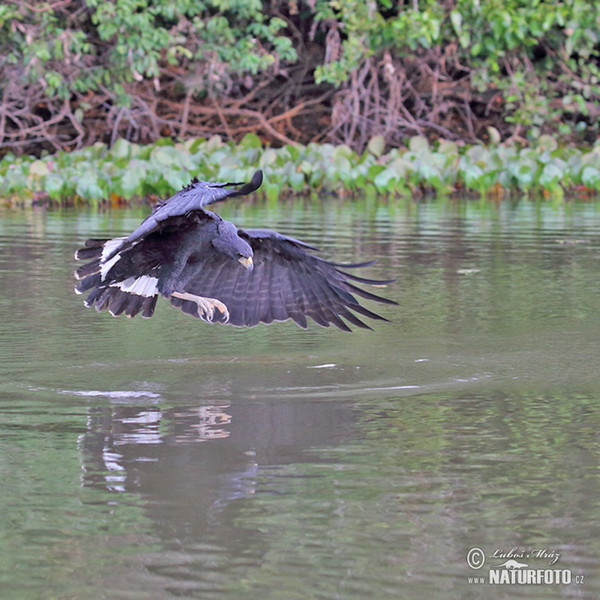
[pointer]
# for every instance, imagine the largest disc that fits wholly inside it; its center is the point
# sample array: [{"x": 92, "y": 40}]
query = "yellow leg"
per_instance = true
[{"x": 206, "y": 306}]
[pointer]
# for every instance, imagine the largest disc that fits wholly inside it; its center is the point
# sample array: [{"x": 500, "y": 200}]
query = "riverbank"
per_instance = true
[{"x": 126, "y": 172}]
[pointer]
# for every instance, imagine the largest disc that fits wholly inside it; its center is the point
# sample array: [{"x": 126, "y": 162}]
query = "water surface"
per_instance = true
[{"x": 166, "y": 458}]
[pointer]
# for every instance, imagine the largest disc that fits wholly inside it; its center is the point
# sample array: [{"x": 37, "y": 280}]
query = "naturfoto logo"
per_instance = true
[{"x": 514, "y": 569}]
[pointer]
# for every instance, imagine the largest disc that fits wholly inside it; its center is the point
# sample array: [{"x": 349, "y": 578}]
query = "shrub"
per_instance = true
[{"x": 73, "y": 73}]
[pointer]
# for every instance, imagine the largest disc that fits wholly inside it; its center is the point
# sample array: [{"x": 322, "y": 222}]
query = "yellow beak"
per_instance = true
[{"x": 246, "y": 262}]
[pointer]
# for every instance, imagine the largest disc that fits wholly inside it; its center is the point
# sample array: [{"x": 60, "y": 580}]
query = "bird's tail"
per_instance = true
[{"x": 133, "y": 295}]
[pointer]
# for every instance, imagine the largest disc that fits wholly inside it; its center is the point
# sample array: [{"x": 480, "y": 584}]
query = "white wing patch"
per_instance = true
[
  {"x": 140, "y": 286},
  {"x": 107, "y": 266},
  {"x": 107, "y": 250}
]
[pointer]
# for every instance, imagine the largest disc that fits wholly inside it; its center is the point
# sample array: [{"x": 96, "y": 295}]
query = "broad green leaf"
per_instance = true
[
  {"x": 176, "y": 178},
  {"x": 38, "y": 168},
  {"x": 88, "y": 186},
  {"x": 53, "y": 185},
  {"x": 546, "y": 143},
  {"x": 591, "y": 177},
  {"x": 376, "y": 145},
  {"x": 374, "y": 170},
  {"x": 418, "y": 143},
  {"x": 121, "y": 148},
  {"x": 293, "y": 151},
  {"x": 165, "y": 141},
  {"x": 456, "y": 20},
  {"x": 382, "y": 180},
  {"x": 448, "y": 148},
  {"x": 306, "y": 167},
  {"x": 213, "y": 143},
  {"x": 430, "y": 174},
  {"x": 193, "y": 144},
  {"x": 342, "y": 151},
  {"x": 401, "y": 166},
  {"x": 250, "y": 140},
  {"x": 525, "y": 175},
  {"x": 297, "y": 181},
  {"x": 550, "y": 175},
  {"x": 133, "y": 179},
  {"x": 163, "y": 157},
  {"x": 268, "y": 157},
  {"x": 494, "y": 135},
  {"x": 472, "y": 176}
]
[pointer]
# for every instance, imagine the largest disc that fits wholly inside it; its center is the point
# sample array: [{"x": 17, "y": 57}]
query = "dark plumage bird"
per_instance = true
[{"x": 213, "y": 270}]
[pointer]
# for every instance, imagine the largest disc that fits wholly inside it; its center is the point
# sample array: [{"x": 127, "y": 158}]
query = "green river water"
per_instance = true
[{"x": 169, "y": 459}]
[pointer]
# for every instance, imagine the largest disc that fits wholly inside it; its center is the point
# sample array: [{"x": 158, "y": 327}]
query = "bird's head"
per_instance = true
[{"x": 228, "y": 242}]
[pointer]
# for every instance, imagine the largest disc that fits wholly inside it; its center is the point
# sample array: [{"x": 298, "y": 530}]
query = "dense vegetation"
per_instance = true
[
  {"x": 126, "y": 171},
  {"x": 77, "y": 72}
]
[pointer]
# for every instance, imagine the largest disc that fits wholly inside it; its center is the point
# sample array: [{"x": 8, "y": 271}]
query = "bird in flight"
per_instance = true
[{"x": 211, "y": 269}]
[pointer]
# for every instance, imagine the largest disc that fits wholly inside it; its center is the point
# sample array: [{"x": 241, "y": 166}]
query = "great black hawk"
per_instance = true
[{"x": 213, "y": 270}]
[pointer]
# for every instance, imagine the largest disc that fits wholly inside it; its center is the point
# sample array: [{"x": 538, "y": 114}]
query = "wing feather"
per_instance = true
[
  {"x": 266, "y": 294},
  {"x": 275, "y": 296},
  {"x": 367, "y": 295},
  {"x": 253, "y": 310},
  {"x": 334, "y": 302},
  {"x": 365, "y": 279},
  {"x": 332, "y": 286},
  {"x": 309, "y": 301},
  {"x": 288, "y": 282},
  {"x": 190, "y": 200},
  {"x": 292, "y": 297}
]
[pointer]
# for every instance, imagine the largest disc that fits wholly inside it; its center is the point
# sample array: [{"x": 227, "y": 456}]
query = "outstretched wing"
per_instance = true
[
  {"x": 193, "y": 197},
  {"x": 287, "y": 282},
  {"x": 128, "y": 279}
]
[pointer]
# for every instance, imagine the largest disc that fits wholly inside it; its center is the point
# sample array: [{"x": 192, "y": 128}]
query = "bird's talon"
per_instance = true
[
  {"x": 224, "y": 312},
  {"x": 206, "y": 306}
]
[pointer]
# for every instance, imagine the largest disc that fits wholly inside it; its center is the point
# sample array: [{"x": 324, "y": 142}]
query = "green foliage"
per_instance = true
[
  {"x": 115, "y": 42},
  {"x": 461, "y": 69},
  {"x": 127, "y": 171},
  {"x": 543, "y": 57}
]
